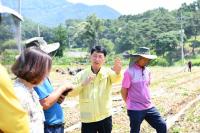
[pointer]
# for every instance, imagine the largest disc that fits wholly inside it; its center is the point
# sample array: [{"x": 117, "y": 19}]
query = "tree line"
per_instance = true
[{"x": 158, "y": 29}]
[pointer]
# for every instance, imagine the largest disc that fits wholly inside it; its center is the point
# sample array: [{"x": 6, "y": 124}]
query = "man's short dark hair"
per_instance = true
[{"x": 98, "y": 49}]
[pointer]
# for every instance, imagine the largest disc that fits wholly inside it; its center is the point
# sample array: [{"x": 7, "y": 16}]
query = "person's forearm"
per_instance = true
[
  {"x": 51, "y": 99},
  {"x": 124, "y": 94},
  {"x": 76, "y": 90}
]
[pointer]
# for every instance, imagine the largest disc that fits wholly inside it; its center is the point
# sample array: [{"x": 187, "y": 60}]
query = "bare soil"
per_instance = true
[{"x": 172, "y": 88}]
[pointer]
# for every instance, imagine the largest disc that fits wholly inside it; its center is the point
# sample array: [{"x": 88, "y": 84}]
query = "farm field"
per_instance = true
[
  {"x": 189, "y": 122},
  {"x": 66, "y": 30},
  {"x": 172, "y": 89}
]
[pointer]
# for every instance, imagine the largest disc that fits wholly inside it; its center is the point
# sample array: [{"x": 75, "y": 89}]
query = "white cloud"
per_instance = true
[{"x": 135, "y": 6}]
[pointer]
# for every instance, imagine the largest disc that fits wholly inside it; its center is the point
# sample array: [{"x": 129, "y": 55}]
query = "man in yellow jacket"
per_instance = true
[
  {"x": 13, "y": 119},
  {"x": 93, "y": 85}
]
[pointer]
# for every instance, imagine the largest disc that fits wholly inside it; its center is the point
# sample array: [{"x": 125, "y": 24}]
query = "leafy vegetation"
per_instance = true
[
  {"x": 8, "y": 56},
  {"x": 157, "y": 29}
]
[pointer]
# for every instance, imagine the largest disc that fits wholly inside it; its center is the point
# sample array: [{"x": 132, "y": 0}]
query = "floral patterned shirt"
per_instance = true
[{"x": 30, "y": 102}]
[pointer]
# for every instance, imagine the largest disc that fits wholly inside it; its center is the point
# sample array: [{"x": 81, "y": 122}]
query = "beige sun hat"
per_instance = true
[
  {"x": 42, "y": 44},
  {"x": 141, "y": 51},
  {"x": 4, "y": 9}
]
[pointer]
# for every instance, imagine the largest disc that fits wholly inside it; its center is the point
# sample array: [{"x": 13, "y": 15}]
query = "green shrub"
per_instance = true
[
  {"x": 10, "y": 44},
  {"x": 69, "y": 60},
  {"x": 110, "y": 58},
  {"x": 159, "y": 62},
  {"x": 196, "y": 62},
  {"x": 8, "y": 56}
]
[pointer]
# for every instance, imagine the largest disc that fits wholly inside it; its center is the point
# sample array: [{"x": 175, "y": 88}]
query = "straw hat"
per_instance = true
[{"x": 141, "y": 51}]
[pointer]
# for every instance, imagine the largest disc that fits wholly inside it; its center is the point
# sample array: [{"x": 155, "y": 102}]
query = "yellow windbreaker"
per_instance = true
[
  {"x": 95, "y": 99},
  {"x": 13, "y": 119}
]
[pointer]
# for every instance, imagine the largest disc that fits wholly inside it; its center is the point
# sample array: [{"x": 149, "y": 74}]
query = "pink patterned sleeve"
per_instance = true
[{"x": 126, "y": 82}]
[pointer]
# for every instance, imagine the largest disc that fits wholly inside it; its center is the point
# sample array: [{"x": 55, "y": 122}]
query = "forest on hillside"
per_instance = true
[{"x": 158, "y": 29}]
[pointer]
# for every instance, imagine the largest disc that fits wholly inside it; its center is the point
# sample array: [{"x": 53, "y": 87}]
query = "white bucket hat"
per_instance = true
[
  {"x": 4, "y": 9},
  {"x": 141, "y": 51},
  {"x": 42, "y": 44}
]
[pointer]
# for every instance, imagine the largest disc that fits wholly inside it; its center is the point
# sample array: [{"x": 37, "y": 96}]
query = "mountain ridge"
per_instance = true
[{"x": 53, "y": 13}]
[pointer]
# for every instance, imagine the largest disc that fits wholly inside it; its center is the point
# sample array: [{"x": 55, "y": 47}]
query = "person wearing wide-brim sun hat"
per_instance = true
[
  {"x": 50, "y": 98},
  {"x": 42, "y": 44},
  {"x": 136, "y": 92}
]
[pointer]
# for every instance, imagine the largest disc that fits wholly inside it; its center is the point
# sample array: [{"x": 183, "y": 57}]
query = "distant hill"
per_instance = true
[{"x": 54, "y": 12}]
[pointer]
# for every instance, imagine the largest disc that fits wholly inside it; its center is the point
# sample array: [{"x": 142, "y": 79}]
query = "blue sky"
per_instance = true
[{"x": 135, "y": 6}]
